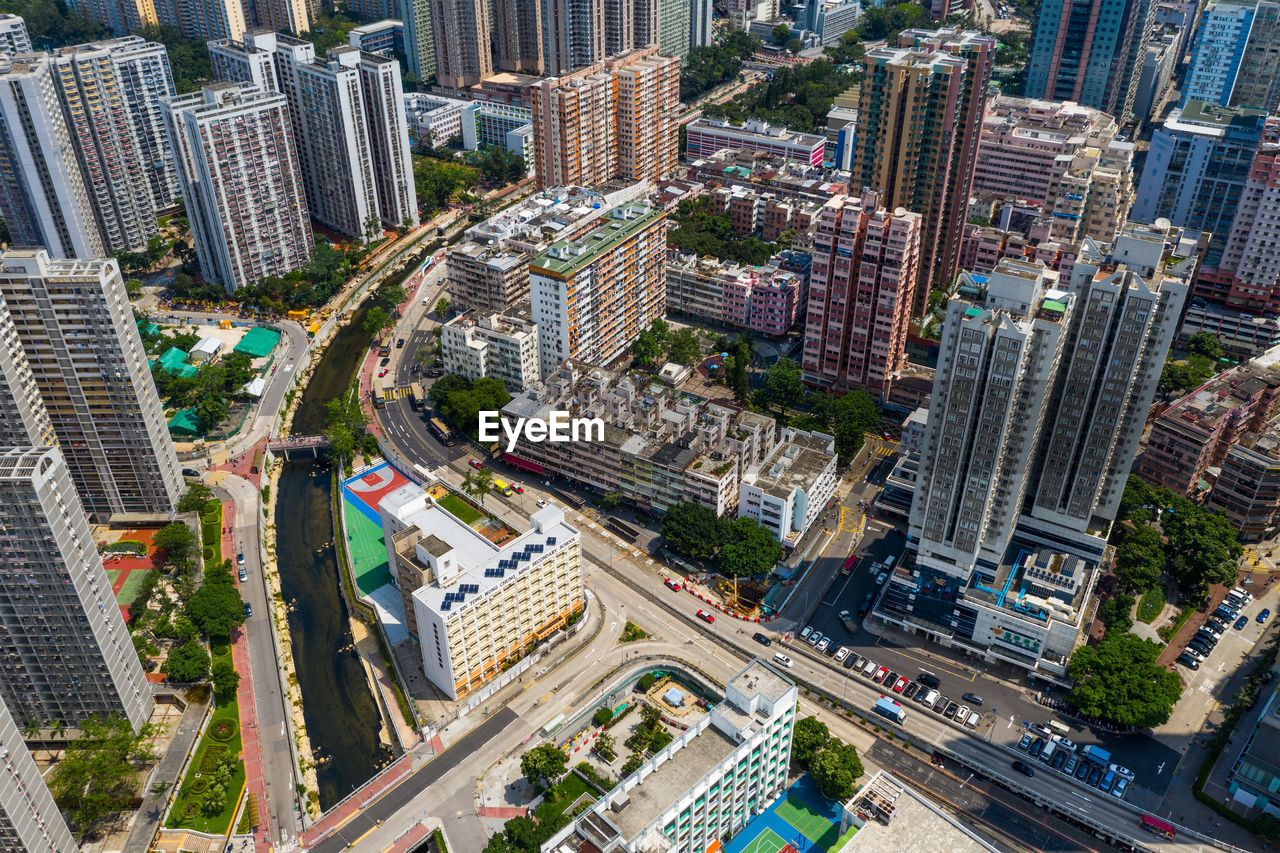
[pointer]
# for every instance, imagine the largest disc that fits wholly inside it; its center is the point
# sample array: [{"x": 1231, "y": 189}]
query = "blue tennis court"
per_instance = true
[{"x": 802, "y": 820}]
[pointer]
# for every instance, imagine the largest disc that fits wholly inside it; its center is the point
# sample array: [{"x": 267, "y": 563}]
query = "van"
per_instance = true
[
  {"x": 888, "y": 561},
  {"x": 804, "y": 635},
  {"x": 1047, "y": 753},
  {"x": 782, "y": 660},
  {"x": 1058, "y": 728},
  {"x": 930, "y": 698},
  {"x": 869, "y": 668}
]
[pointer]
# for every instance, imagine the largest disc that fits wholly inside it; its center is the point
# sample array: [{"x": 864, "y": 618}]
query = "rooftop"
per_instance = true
[
  {"x": 796, "y": 462},
  {"x": 564, "y": 258},
  {"x": 684, "y": 769},
  {"x": 916, "y": 823}
]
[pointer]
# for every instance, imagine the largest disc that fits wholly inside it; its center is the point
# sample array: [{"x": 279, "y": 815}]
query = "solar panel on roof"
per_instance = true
[
  {"x": 551, "y": 540},
  {"x": 448, "y": 605}
]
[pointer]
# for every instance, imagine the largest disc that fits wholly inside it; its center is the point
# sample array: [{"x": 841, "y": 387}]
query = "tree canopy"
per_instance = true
[
  {"x": 216, "y": 607},
  {"x": 1204, "y": 344},
  {"x": 177, "y": 541},
  {"x": 885, "y": 22},
  {"x": 810, "y": 736},
  {"x": 836, "y": 770},
  {"x": 1118, "y": 680},
  {"x": 741, "y": 546},
  {"x": 460, "y": 401},
  {"x": 708, "y": 67},
  {"x": 98, "y": 774},
  {"x": 693, "y": 529},
  {"x": 545, "y": 763},
  {"x": 799, "y": 97},
  {"x": 706, "y": 231},
  {"x": 1140, "y": 558},
  {"x": 750, "y": 550},
  {"x": 345, "y": 423},
  {"x": 310, "y": 286},
  {"x": 194, "y": 497},
  {"x": 187, "y": 663}
]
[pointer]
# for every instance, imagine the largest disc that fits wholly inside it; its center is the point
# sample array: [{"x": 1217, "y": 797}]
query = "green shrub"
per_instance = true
[
  {"x": 222, "y": 730},
  {"x": 125, "y": 546},
  {"x": 207, "y": 552},
  {"x": 646, "y": 681},
  {"x": 212, "y": 755},
  {"x": 1151, "y": 603},
  {"x": 602, "y": 716},
  {"x": 200, "y": 784}
]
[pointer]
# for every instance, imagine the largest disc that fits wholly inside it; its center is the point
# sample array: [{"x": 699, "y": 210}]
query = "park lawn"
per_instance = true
[
  {"x": 129, "y": 590},
  {"x": 459, "y": 509},
  {"x": 1151, "y": 604},
  {"x": 219, "y": 823}
]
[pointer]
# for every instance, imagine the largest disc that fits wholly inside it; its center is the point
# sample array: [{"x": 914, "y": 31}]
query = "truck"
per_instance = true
[
  {"x": 502, "y": 486},
  {"x": 1096, "y": 754},
  {"x": 886, "y": 707}
]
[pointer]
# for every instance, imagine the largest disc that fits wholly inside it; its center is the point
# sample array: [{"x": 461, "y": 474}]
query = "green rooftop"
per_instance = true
[
  {"x": 148, "y": 329},
  {"x": 566, "y": 257},
  {"x": 174, "y": 360},
  {"x": 1054, "y": 305},
  {"x": 258, "y": 342}
]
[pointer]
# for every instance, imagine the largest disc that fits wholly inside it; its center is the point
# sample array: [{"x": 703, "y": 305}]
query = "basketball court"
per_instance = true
[
  {"x": 801, "y": 821},
  {"x": 768, "y": 842},
  {"x": 366, "y": 490}
]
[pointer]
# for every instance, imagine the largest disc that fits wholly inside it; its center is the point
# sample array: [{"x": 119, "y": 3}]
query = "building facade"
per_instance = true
[
  {"x": 931, "y": 88},
  {"x": 145, "y": 77},
  {"x": 1217, "y": 51},
  {"x": 241, "y": 182},
  {"x": 519, "y": 26},
  {"x": 1257, "y": 81},
  {"x": 385, "y": 37},
  {"x": 789, "y": 491},
  {"x": 77, "y": 329},
  {"x": 419, "y": 38},
  {"x": 477, "y": 606},
  {"x": 463, "y": 56},
  {"x": 29, "y": 818},
  {"x": 766, "y": 300},
  {"x": 14, "y": 37},
  {"x": 573, "y": 34},
  {"x": 707, "y": 136},
  {"x": 505, "y": 347},
  {"x": 67, "y": 655},
  {"x": 591, "y": 297},
  {"x": 865, "y": 267}
]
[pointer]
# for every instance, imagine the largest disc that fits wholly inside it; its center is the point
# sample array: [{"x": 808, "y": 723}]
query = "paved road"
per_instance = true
[{"x": 170, "y": 767}]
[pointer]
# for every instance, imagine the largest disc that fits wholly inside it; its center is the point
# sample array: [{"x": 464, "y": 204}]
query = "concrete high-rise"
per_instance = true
[
  {"x": 573, "y": 34},
  {"x": 65, "y": 654},
  {"x": 463, "y": 55},
  {"x": 519, "y": 25},
  {"x": 120, "y": 16},
  {"x": 24, "y": 420},
  {"x": 1090, "y": 52},
  {"x": 620, "y": 26},
  {"x": 383, "y": 93},
  {"x": 1257, "y": 82},
  {"x": 205, "y": 20},
  {"x": 104, "y": 134},
  {"x": 29, "y": 818},
  {"x": 419, "y": 39},
  {"x": 241, "y": 182},
  {"x": 145, "y": 77},
  {"x": 614, "y": 118},
  {"x": 864, "y": 271},
  {"x": 46, "y": 200},
  {"x": 1217, "y": 51},
  {"x": 919, "y": 125},
  {"x": 14, "y": 37},
  {"x": 81, "y": 340}
]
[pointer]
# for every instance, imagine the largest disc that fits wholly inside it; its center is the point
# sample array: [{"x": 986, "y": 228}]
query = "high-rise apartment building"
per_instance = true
[
  {"x": 46, "y": 200},
  {"x": 205, "y": 20},
  {"x": 81, "y": 340},
  {"x": 29, "y": 818},
  {"x": 24, "y": 420},
  {"x": 120, "y": 16},
  {"x": 106, "y": 139},
  {"x": 292, "y": 16},
  {"x": 145, "y": 77},
  {"x": 14, "y": 37},
  {"x": 573, "y": 34},
  {"x": 233, "y": 145},
  {"x": 519, "y": 26},
  {"x": 860, "y": 286},
  {"x": 419, "y": 40},
  {"x": 591, "y": 297},
  {"x": 65, "y": 654},
  {"x": 504, "y": 346},
  {"x": 614, "y": 118},
  {"x": 919, "y": 126},
  {"x": 1090, "y": 52},
  {"x": 463, "y": 55},
  {"x": 1217, "y": 51},
  {"x": 1092, "y": 195},
  {"x": 1196, "y": 168},
  {"x": 620, "y": 25},
  {"x": 352, "y": 133},
  {"x": 1257, "y": 79}
]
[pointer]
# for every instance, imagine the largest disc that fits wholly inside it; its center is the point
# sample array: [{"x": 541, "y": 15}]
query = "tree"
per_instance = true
[
  {"x": 1140, "y": 558},
  {"x": 31, "y": 728},
  {"x": 684, "y": 348},
  {"x": 661, "y": 330},
  {"x": 751, "y": 550},
  {"x": 781, "y": 33},
  {"x": 437, "y": 182},
  {"x": 442, "y": 307},
  {"x": 461, "y": 402},
  {"x": 783, "y": 388},
  {"x": 225, "y": 679},
  {"x": 1115, "y": 613},
  {"x": 1204, "y": 344},
  {"x": 1118, "y": 679},
  {"x": 187, "y": 663},
  {"x": 483, "y": 484},
  {"x": 810, "y": 736},
  {"x": 693, "y": 529},
  {"x": 216, "y": 609},
  {"x": 98, "y": 774},
  {"x": 836, "y": 770},
  {"x": 645, "y": 349},
  {"x": 1203, "y": 549},
  {"x": 545, "y": 763},
  {"x": 375, "y": 320},
  {"x": 851, "y": 417},
  {"x": 177, "y": 542},
  {"x": 345, "y": 423},
  {"x": 794, "y": 45},
  {"x": 1267, "y": 826},
  {"x": 193, "y": 499}
]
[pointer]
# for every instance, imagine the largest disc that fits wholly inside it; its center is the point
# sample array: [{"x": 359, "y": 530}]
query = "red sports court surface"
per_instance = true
[{"x": 367, "y": 490}]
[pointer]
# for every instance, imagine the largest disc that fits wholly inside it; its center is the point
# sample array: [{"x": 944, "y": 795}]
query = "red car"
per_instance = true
[
  {"x": 517, "y": 488},
  {"x": 474, "y": 463},
  {"x": 383, "y": 372},
  {"x": 880, "y": 674},
  {"x": 899, "y": 685},
  {"x": 672, "y": 584},
  {"x": 706, "y": 617}
]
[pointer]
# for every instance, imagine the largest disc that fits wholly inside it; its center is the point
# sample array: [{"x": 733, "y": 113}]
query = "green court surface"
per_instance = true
[
  {"x": 367, "y": 549},
  {"x": 459, "y": 509},
  {"x": 812, "y": 825},
  {"x": 767, "y": 841},
  {"x": 129, "y": 591}
]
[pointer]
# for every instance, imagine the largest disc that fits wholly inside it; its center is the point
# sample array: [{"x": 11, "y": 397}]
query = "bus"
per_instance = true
[
  {"x": 502, "y": 486},
  {"x": 847, "y": 568},
  {"x": 440, "y": 431},
  {"x": 380, "y": 396},
  {"x": 416, "y": 396},
  {"x": 1155, "y": 825}
]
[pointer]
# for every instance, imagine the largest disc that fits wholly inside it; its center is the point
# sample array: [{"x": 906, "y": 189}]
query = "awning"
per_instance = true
[{"x": 523, "y": 464}]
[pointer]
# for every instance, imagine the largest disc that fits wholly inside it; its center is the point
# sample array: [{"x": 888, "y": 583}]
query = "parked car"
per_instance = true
[
  {"x": 929, "y": 679},
  {"x": 244, "y": 575},
  {"x": 517, "y": 488},
  {"x": 1082, "y": 772},
  {"x": 541, "y": 502},
  {"x": 400, "y": 343},
  {"x": 1188, "y": 661},
  {"x": 1059, "y": 759},
  {"x": 814, "y": 638},
  {"x": 1241, "y": 622},
  {"x": 973, "y": 698},
  {"x": 474, "y": 463},
  {"x": 1108, "y": 782},
  {"x": 881, "y": 578},
  {"x": 706, "y": 617},
  {"x": 384, "y": 362},
  {"x": 891, "y": 679},
  {"x": 962, "y": 714},
  {"x": 1037, "y": 746},
  {"x": 1095, "y": 776},
  {"x": 806, "y": 632},
  {"x": 844, "y": 615},
  {"x": 1070, "y": 766},
  {"x": 1025, "y": 742},
  {"x": 841, "y": 654},
  {"x": 1119, "y": 789},
  {"x": 1025, "y": 769},
  {"x": 880, "y": 674},
  {"x": 673, "y": 584},
  {"x": 248, "y": 610},
  {"x": 858, "y": 663},
  {"x": 1065, "y": 743},
  {"x": 1264, "y": 615},
  {"x": 761, "y": 639},
  {"x": 950, "y": 713},
  {"x": 899, "y": 685},
  {"x": 1121, "y": 770},
  {"x": 942, "y": 704},
  {"x": 911, "y": 690},
  {"x": 824, "y": 644},
  {"x": 240, "y": 559}
]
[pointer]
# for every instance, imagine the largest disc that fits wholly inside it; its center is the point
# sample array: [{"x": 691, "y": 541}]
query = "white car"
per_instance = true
[
  {"x": 1122, "y": 771},
  {"x": 814, "y": 638},
  {"x": 1065, "y": 743},
  {"x": 804, "y": 635},
  {"x": 823, "y": 644},
  {"x": 841, "y": 654},
  {"x": 541, "y": 502},
  {"x": 881, "y": 578}
]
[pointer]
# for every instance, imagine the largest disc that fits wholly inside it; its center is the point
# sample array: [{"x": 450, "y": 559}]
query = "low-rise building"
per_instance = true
[
  {"x": 1239, "y": 333},
  {"x": 765, "y": 172},
  {"x": 499, "y": 126},
  {"x": 984, "y": 246},
  {"x": 842, "y": 127},
  {"x": 707, "y": 136},
  {"x": 1256, "y": 778},
  {"x": 385, "y": 37},
  {"x": 766, "y": 299},
  {"x": 706, "y": 784},
  {"x": 660, "y": 447},
  {"x": 790, "y": 489},
  {"x": 504, "y": 346},
  {"x": 475, "y": 606},
  {"x": 434, "y": 119}
]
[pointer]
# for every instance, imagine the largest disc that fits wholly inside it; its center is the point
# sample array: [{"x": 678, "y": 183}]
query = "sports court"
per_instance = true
[
  {"x": 367, "y": 489},
  {"x": 801, "y": 821},
  {"x": 361, "y": 495}
]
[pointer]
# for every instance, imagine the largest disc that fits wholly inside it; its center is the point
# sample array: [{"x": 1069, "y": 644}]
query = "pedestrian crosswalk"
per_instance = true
[{"x": 398, "y": 393}]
